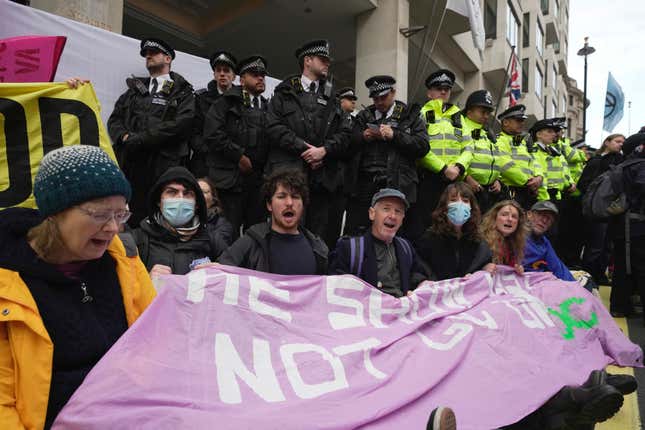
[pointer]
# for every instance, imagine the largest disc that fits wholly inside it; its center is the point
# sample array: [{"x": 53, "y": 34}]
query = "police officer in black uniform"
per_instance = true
[
  {"x": 347, "y": 100},
  {"x": 389, "y": 137},
  {"x": 307, "y": 132},
  {"x": 235, "y": 134},
  {"x": 223, "y": 64},
  {"x": 151, "y": 124}
]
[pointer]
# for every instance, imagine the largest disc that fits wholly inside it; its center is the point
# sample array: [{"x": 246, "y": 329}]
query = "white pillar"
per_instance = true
[
  {"x": 380, "y": 48},
  {"x": 105, "y": 14}
]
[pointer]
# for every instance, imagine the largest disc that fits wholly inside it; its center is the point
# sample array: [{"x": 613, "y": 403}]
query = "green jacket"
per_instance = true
[{"x": 517, "y": 148}]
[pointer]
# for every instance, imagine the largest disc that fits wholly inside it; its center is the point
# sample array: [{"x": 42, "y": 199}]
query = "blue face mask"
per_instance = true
[
  {"x": 458, "y": 212},
  {"x": 178, "y": 211}
]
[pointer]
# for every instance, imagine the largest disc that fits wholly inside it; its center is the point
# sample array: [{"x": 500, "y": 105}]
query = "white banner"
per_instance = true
[{"x": 105, "y": 58}]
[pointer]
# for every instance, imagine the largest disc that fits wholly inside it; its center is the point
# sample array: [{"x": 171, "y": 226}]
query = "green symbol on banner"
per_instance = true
[{"x": 569, "y": 321}]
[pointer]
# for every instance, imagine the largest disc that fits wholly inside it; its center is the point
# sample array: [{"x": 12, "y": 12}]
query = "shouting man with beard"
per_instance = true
[
  {"x": 151, "y": 124},
  {"x": 281, "y": 245}
]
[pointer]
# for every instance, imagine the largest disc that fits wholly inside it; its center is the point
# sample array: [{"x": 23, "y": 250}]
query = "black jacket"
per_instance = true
[
  {"x": 411, "y": 271},
  {"x": 289, "y": 126},
  {"x": 448, "y": 257},
  {"x": 158, "y": 129},
  {"x": 158, "y": 245},
  {"x": 251, "y": 251},
  {"x": 634, "y": 177},
  {"x": 232, "y": 129},
  {"x": 158, "y": 126},
  {"x": 596, "y": 166},
  {"x": 399, "y": 155},
  {"x": 204, "y": 99}
]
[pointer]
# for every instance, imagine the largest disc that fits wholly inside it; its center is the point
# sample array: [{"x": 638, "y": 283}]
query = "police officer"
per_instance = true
[
  {"x": 223, "y": 64},
  {"x": 511, "y": 140},
  {"x": 235, "y": 134},
  {"x": 307, "y": 132},
  {"x": 570, "y": 241},
  {"x": 557, "y": 178},
  {"x": 449, "y": 153},
  {"x": 347, "y": 100},
  {"x": 487, "y": 163},
  {"x": 151, "y": 123},
  {"x": 389, "y": 138}
]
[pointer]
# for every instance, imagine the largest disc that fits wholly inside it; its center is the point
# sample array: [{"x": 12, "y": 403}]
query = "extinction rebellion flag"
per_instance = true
[{"x": 614, "y": 104}]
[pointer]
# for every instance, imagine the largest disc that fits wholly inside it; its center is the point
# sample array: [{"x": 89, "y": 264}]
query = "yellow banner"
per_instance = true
[{"x": 36, "y": 118}]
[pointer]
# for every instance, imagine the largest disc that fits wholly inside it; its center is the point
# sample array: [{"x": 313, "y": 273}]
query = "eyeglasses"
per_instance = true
[{"x": 102, "y": 218}]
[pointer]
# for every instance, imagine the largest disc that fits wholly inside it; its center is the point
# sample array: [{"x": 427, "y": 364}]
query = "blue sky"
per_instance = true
[{"x": 615, "y": 29}]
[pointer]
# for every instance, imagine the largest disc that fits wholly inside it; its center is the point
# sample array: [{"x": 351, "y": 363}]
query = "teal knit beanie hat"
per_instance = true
[{"x": 75, "y": 174}]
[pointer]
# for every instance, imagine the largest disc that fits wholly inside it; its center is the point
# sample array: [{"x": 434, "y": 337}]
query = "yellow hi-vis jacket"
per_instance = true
[
  {"x": 517, "y": 148},
  {"x": 556, "y": 170},
  {"x": 447, "y": 143}
]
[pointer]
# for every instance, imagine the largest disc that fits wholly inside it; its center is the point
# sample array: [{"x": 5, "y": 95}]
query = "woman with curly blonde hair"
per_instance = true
[{"x": 505, "y": 230}]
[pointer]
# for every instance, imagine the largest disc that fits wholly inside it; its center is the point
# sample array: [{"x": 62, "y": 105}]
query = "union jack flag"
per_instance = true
[{"x": 514, "y": 83}]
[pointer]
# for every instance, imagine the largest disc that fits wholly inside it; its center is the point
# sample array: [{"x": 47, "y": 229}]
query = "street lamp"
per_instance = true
[{"x": 586, "y": 50}]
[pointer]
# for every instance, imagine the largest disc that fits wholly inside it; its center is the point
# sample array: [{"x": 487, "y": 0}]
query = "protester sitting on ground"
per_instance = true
[
  {"x": 214, "y": 211},
  {"x": 281, "y": 245},
  {"x": 453, "y": 246},
  {"x": 176, "y": 232},
  {"x": 504, "y": 229},
  {"x": 379, "y": 257},
  {"x": 539, "y": 255},
  {"x": 68, "y": 286}
]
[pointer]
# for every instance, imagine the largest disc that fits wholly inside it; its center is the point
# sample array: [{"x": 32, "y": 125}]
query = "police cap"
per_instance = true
[
  {"x": 156, "y": 44},
  {"x": 481, "y": 98},
  {"x": 254, "y": 63},
  {"x": 517, "y": 112},
  {"x": 347, "y": 93},
  {"x": 223, "y": 57},
  {"x": 380, "y": 85},
  {"x": 442, "y": 78},
  {"x": 318, "y": 48},
  {"x": 542, "y": 124}
]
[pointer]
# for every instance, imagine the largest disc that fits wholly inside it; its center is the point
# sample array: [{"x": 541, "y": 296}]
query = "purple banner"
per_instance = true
[{"x": 234, "y": 349}]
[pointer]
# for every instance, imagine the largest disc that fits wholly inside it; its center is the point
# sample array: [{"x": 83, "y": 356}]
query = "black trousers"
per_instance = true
[
  {"x": 622, "y": 283},
  {"x": 595, "y": 257},
  {"x": 570, "y": 238},
  {"x": 419, "y": 216},
  {"x": 521, "y": 195},
  {"x": 244, "y": 206},
  {"x": 357, "y": 221},
  {"x": 487, "y": 199},
  {"x": 322, "y": 213},
  {"x": 337, "y": 204}
]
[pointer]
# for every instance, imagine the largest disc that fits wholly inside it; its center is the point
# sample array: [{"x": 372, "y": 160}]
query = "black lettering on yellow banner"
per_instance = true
[{"x": 36, "y": 119}]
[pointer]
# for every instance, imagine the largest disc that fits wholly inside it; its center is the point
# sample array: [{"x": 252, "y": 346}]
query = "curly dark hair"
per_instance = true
[
  {"x": 293, "y": 180},
  {"x": 440, "y": 223}
]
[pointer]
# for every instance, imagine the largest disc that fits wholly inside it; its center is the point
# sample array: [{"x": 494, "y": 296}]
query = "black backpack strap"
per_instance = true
[{"x": 356, "y": 252}]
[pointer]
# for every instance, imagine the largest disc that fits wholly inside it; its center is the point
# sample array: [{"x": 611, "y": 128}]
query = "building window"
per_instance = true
[
  {"x": 512, "y": 25},
  {"x": 569, "y": 130},
  {"x": 571, "y": 100},
  {"x": 546, "y": 76},
  {"x": 554, "y": 108},
  {"x": 544, "y": 5},
  {"x": 564, "y": 105},
  {"x": 539, "y": 38},
  {"x": 525, "y": 75},
  {"x": 490, "y": 19},
  {"x": 526, "y": 30},
  {"x": 555, "y": 78},
  {"x": 538, "y": 81},
  {"x": 556, "y": 7}
]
